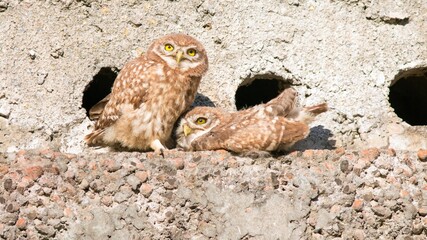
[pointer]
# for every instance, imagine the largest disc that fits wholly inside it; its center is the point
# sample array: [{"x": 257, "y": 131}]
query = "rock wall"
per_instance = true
[
  {"x": 315, "y": 194},
  {"x": 347, "y": 53}
]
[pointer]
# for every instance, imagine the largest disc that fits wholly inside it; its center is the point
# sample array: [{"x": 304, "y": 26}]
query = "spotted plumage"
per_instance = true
[
  {"x": 276, "y": 125},
  {"x": 149, "y": 95}
]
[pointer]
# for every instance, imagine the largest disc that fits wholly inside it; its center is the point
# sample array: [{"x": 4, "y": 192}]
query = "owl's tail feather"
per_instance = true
[
  {"x": 308, "y": 114},
  {"x": 94, "y": 138},
  {"x": 294, "y": 132}
]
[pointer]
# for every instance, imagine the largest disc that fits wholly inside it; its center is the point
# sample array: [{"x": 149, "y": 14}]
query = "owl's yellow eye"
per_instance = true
[
  {"x": 191, "y": 52},
  {"x": 201, "y": 120},
  {"x": 168, "y": 47}
]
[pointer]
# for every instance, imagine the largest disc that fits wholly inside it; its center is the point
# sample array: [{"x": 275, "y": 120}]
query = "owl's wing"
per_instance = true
[
  {"x": 97, "y": 109},
  {"x": 129, "y": 92},
  {"x": 282, "y": 104},
  {"x": 253, "y": 135}
]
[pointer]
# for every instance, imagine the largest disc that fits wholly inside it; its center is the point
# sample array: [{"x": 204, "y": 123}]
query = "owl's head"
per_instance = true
[
  {"x": 180, "y": 52},
  {"x": 196, "y": 123}
]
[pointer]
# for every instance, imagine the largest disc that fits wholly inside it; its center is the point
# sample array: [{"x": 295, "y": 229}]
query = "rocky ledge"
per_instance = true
[{"x": 314, "y": 194}]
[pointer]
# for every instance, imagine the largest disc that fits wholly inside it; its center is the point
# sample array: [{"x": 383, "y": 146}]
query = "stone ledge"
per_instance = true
[{"x": 312, "y": 194}]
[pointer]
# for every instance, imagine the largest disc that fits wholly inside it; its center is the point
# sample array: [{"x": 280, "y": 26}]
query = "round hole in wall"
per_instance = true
[
  {"x": 99, "y": 87},
  {"x": 259, "y": 89},
  {"x": 408, "y": 96}
]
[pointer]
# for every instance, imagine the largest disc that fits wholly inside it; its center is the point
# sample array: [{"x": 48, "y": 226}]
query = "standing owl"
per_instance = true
[
  {"x": 260, "y": 128},
  {"x": 149, "y": 95}
]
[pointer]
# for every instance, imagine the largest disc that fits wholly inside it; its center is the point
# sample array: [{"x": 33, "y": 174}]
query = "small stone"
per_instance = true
[
  {"x": 7, "y": 185},
  {"x": 208, "y": 229},
  {"x": 111, "y": 165},
  {"x": 171, "y": 183},
  {"x": 422, "y": 155},
  {"x": 57, "y": 53},
  {"x": 97, "y": 185},
  {"x": 32, "y": 54},
  {"x": 45, "y": 229},
  {"x": 122, "y": 196},
  {"x": 107, "y": 200},
  {"x": 133, "y": 181},
  {"x": 3, "y": 170},
  {"x": 370, "y": 154},
  {"x": 41, "y": 78},
  {"x": 382, "y": 211},
  {"x": 178, "y": 163},
  {"x": 344, "y": 166},
  {"x": 422, "y": 211},
  {"x": 142, "y": 175},
  {"x": 368, "y": 196},
  {"x": 12, "y": 207},
  {"x": 391, "y": 152},
  {"x": 33, "y": 172},
  {"x": 5, "y": 111},
  {"x": 348, "y": 189},
  {"x": 84, "y": 184},
  {"x": 358, "y": 234},
  {"x": 358, "y": 205},
  {"x": 146, "y": 189},
  {"x": 54, "y": 222},
  {"x": 21, "y": 223},
  {"x": 9, "y": 218},
  {"x": 410, "y": 211},
  {"x": 417, "y": 228}
]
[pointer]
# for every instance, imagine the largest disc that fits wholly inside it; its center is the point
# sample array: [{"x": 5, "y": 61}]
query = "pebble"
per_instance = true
[
  {"x": 21, "y": 223},
  {"x": 358, "y": 204},
  {"x": 146, "y": 189},
  {"x": 134, "y": 181},
  {"x": 422, "y": 211},
  {"x": 382, "y": 211},
  {"x": 7, "y": 185},
  {"x": 33, "y": 172},
  {"x": 122, "y": 195},
  {"x": 422, "y": 155},
  {"x": 32, "y": 54},
  {"x": 142, "y": 175},
  {"x": 45, "y": 229}
]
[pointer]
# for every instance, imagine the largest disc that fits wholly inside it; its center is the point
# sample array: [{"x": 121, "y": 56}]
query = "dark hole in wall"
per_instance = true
[
  {"x": 259, "y": 90},
  {"x": 99, "y": 87},
  {"x": 408, "y": 96}
]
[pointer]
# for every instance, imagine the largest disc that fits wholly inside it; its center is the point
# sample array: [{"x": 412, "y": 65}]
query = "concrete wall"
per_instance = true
[{"x": 347, "y": 53}]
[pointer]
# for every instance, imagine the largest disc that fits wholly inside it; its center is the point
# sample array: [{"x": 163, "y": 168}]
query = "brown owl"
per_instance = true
[
  {"x": 149, "y": 95},
  {"x": 260, "y": 128}
]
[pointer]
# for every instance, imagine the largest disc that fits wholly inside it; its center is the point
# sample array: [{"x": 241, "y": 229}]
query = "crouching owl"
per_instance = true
[
  {"x": 149, "y": 95},
  {"x": 274, "y": 126}
]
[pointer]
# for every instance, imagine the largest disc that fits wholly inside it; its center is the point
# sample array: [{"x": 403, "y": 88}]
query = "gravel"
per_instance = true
[{"x": 315, "y": 194}]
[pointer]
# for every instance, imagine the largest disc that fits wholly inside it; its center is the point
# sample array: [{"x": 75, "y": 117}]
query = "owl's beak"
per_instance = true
[
  {"x": 179, "y": 56},
  {"x": 187, "y": 130}
]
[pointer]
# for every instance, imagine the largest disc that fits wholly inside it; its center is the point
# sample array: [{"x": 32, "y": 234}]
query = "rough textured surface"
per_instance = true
[
  {"x": 345, "y": 52},
  {"x": 315, "y": 194}
]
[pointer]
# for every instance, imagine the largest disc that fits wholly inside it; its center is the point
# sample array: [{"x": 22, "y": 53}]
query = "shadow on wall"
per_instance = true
[
  {"x": 202, "y": 100},
  {"x": 319, "y": 138}
]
